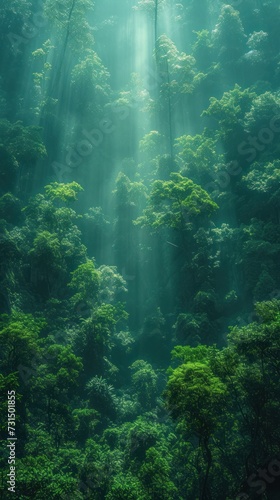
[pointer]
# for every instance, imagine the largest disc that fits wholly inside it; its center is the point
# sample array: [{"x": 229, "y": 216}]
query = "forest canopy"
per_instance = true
[{"x": 140, "y": 250}]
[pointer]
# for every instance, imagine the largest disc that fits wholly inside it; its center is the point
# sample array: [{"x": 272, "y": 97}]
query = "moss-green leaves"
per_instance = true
[
  {"x": 171, "y": 202},
  {"x": 58, "y": 191}
]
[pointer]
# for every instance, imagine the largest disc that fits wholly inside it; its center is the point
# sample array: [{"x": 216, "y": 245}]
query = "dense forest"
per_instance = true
[{"x": 140, "y": 249}]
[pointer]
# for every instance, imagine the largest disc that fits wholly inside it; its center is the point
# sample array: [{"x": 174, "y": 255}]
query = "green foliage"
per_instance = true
[
  {"x": 22, "y": 8},
  {"x": 47, "y": 262},
  {"x": 46, "y": 248},
  {"x": 150, "y": 144},
  {"x": 229, "y": 35},
  {"x": 19, "y": 335},
  {"x": 268, "y": 311},
  {"x": 52, "y": 227},
  {"x": 230, "y": 110},
  {"x": 19, "y": 147},
  {"x": 134, "y": 95},
  {"x": 24, "y": 144},
  {"x": 126, "y": 487},
  {"x": 144, "y": 382},
  {"x": 91, "y": 422},
  {"x": 102, "y": 397},
  {"x": 39, "y": 476},
  {"x": 8, "y": 170},
  {"x": 264, "y": 109},
  {"x": 260, "y": 245},
  {"x": 264, "y": 179},
  {"x": 204, "y": 302},
  {"x": 85, "y": 282},
  {"x": 96, "y": 337},
  {"x": 257, "y": 346},
  {"x": 89, "y": 84},
  {"x": 43, "y": 103},
  {"x": 63, "y": 192},
  {"x": 85, "y": 420},
  {"x": 203, "y": 49},
  {"x": 96, "y": 215},
  {"x": 188, "y": 328},
  {"x": 56, "y": 383},
  {"x": 70, "y": 21},
  {"x": 171, "y": 201},
  {"x": 142, "y": 435},
  {"x": 233, "y": 379},
  {"x": 65, "y": 366},
  {"x": 258, "y": 40},
  {"x": 194, "y": 395},
  {"x": 128, "y": 193},
  {"x": 112, "y": 284},
  {"x": 177, "y": 68},
  {"x": 199, "y": 154},
  {"x": 187, "y": 354},
  {"x": 10, "y": 208},
  {"x": 155, "y": 474}
]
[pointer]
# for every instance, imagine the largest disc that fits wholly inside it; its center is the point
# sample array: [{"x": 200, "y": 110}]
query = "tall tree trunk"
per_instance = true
[
  {"x": 156, "y": 22},
  {"x": 169, "y": 115},
  {"x": 61, "y": 62},
  {"x": 205, "y": 494}
]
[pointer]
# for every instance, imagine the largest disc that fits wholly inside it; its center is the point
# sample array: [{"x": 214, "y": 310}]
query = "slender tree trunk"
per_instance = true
[
  {"x": 61, "y": 61},
  {"x": 169, "y": 115},
  {"x": 156, "y": 22},
  {"x": 169, "y": 107},
  {"x": 205, "y": 494},
  {"x": 68, "y": 29}
]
